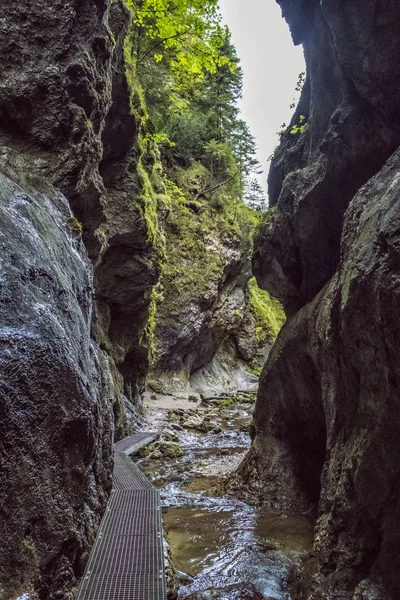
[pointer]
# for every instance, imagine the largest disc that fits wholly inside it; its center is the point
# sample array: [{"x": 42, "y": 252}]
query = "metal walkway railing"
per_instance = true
[{"x": 127, "y": 559}]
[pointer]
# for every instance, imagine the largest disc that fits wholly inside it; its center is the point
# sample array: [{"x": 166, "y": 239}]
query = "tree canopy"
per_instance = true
[{"x": 191, "y": 78}]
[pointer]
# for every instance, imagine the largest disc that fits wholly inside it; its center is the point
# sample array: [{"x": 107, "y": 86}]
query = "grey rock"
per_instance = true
[
  {"x": 176, "y": 426},
  {"x": 66, "y": 124},
  {"x": 239, "y": 591},
  {"x": 352, "y": 114},
  {"x": 56, "y": 426},
  {"x": 65, "y": 120},
  {"x": 326, "y": 421},
  {"x": 184, "y": 578}
]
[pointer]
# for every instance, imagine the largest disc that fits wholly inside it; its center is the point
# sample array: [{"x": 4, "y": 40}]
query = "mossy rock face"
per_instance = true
[
  {"x": 207, "y": 256},
  {"x": 268, "y": 313},
  {"x": 171, "y": 450},
  {"x": 255, "y": 369},
  {"x": 206, "y": 297}
]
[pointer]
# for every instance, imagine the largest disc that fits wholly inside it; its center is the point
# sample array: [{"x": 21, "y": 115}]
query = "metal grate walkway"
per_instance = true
[
  {"x": 135, "y": 442},
  {"x": 127, "y": 560}
]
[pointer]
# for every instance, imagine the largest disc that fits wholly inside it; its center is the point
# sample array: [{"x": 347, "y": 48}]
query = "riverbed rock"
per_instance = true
[
  {"x": 232, "y": 592},
  {"x": 193, "y": 423},
  {"x": 327, "y": 421},
  {"x": 184, "y": 578}
]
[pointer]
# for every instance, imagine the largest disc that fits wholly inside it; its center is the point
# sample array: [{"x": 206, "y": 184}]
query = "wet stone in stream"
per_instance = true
[{"x": 228, "y": 549}]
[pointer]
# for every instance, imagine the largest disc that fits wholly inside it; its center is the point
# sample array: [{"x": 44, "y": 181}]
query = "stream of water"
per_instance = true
[{"x": 217, "y": 541}]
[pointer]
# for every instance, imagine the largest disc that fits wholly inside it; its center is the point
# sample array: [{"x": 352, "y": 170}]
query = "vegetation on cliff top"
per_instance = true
[
  {"x": 196, "y": 158},
  {"x": 186, "y": 79}
]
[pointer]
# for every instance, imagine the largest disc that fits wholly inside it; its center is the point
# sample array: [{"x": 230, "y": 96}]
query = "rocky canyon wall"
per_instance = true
[
  {"x": 56, "y": 394},
  {"x": 69, "y": 116},
  {"x": 70, "y": 369},
  {"x": 327, "y": 419},
  {"x": 213, "y": 325}
]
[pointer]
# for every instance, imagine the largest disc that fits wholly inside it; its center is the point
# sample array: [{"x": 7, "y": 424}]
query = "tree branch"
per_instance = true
[
  {"x": 176, "y": 35},
  {"x": 217, "y": 186}
]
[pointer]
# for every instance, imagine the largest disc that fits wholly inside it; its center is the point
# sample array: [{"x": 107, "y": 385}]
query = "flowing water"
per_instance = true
[{"x": 215, "y": 539}]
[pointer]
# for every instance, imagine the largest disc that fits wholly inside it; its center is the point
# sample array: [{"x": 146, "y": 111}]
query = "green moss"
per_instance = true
[
  {"x": 149, "y": 204},
  {"x": 167, "y": 449},
  {"x": 148, "y": 166},
  {"x": 156, "y": 386},
  {"x": 231, "y": 401},
  {"x": 28, "y": 546},
  {"x": 171, "y": 450},
  {"x": 148, "y": 338},
  {"x": 147, "y": 450},
  {"x": 151, "y": 197},
  {"x": 198, "y": 233},
  {"x": 227, "y": 402},
  {"x": 173, "y": 417},
  {"x": 205, "y": 426},
  {"x": 137, "y": 102},
  {"x": 75, "y": 226},
  {"x": 268, "y": 313},
  {"x": 256, "y": 370}
]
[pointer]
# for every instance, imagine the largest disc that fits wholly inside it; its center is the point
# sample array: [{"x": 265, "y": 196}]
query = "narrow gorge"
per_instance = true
[{"x": 144, "y": 285}]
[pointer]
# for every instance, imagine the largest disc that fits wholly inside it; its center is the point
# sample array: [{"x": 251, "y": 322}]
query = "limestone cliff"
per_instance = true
[
  {"x": 326, "y": 422},
  {"x": 69, "y": 116},
  {"x": 212, "y": 326},
  {"x": 70, "y": 138},
  {"x": 56, "y": 393}
]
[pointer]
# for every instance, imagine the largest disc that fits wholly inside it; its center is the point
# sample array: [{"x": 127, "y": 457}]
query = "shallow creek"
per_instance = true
[{"x": 215, "y": 539}]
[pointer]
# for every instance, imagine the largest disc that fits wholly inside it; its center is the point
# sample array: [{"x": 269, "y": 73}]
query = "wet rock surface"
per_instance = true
[
  {"x": 326, "y": 422},
  {"x": 56, "y": 425},
  {"x": 233, "y": 592},
  {"x": 202, "y": 347},
  {"x": 66, "y": 120},
  {"x": 69, "y": 139}
]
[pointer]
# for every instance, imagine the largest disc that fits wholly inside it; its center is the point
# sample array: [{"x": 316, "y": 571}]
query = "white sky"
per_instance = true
[{"x": 271, "y": 65}]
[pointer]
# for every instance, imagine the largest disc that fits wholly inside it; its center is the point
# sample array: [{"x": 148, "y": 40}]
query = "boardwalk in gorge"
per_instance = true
[{"x": 127, "y": 559}]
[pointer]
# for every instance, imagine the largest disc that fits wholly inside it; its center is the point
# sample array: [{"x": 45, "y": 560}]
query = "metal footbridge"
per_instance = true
[{"x": 127, "y": 559}]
